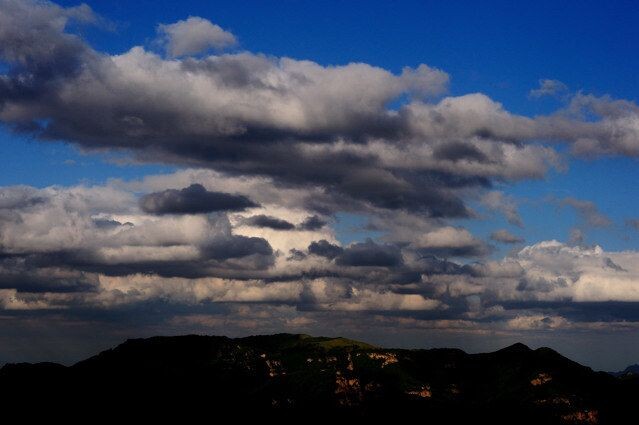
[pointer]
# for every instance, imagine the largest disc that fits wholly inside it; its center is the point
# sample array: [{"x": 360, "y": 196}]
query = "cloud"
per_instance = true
[
  {"x": 588, "y": 211},
  {"x": 459, "y": 151},
  {"x": 143, "y": 102},
  {"x": 498, "y": 201},
  {"x": 268, "y": 222},
  {"x": 296, "y": 255},
  {"x": 367, "y": 300},
  {"x": 194, "y": 35},
  {"x": 90, "y": 249},
  {"x": 450, "y": 241},
  {"x": 105, "y": 223},
  {"x": 237, "y": 247},
  {"x": 194, "y": 199},
  {"x": 504, "y": 236},
  {"x": 305, "y": 124},
  {"x": 551, "y": 271},
  {"x": 577, "y": 236},
  {"x": 537, "y": 322},
  {"x": 312, "y": 223},
  {"x": 324, "y": 248},
  {"x": 18, "y": 197},
  {"x": 56, "y": 238},
  {"x": 616, "y": 132},
  {"x": 548, "y": 88},
  {"x": 370, "y": 254},
  {"x": 633, "y": 222}
]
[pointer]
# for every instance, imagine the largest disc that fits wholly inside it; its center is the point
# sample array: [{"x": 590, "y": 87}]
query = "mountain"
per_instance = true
[
  {"x": 292, "y": 377},
  {"x": 630, "y": 371}
]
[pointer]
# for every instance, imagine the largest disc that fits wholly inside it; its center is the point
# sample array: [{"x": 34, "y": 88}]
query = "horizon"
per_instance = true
[
  {"x": 69, "y": 363},
  {"x": 382, "y": 347},
  {"x": 412, "y": 175}
]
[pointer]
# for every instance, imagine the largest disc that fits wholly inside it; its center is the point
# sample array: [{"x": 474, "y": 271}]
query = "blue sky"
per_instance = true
[{"x": 202, "y": 190}]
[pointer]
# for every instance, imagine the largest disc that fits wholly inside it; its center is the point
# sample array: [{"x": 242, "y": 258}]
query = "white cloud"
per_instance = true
[
  {"x": 194, "y": 35},
  {"x": 553, "y": 271}
]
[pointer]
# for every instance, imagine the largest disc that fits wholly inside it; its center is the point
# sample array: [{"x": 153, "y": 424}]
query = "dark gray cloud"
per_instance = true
[
  {"x": 268, "y": 222},
  {"x": 237, "y": 247},
  {"x": 472, "y": 250},
  {"x": 194, "y": 199},
  {"x": 457, "y": 151},
  {"x": 614, "y": 266},
  {"x": 25, "y": 275},
  {"x": 370, "y": 254},
  {"x": 312, "y": 223},
  {"x": 296, "y": 255},
  {"x": 324, "y": 248}
]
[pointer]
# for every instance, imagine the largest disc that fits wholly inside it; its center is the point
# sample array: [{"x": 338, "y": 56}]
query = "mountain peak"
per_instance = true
[{"x": 517, "y": 347}]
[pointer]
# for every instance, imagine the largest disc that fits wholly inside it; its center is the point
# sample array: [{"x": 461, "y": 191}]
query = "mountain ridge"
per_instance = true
[{"x": 294, "y": 375}]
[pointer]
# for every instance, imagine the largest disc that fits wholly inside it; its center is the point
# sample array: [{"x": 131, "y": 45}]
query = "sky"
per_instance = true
[{"x": 410, "y": 173}]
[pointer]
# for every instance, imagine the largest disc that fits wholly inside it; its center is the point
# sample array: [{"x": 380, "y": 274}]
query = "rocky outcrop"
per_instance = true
[{"x": 385, "y": 358}]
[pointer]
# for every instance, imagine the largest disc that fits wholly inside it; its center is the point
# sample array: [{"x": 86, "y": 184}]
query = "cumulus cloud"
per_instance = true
[
  {"x": 194, "y": 35},
  {"x": 194, "y": 199},
  {"x": 305, "y": 124},
  {"x": 551, "y": 271},
  {"x": 91, "y": 247},
  {"x": 100, "y": 230}
]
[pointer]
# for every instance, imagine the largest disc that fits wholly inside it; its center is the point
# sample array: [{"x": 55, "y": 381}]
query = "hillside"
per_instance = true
[{"x": 288, "y": 376}]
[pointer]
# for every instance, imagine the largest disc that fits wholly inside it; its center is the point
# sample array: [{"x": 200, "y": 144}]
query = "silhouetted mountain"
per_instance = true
[
  {"x": 296, "y": 377},
  {"x": 630, "y": 371}
]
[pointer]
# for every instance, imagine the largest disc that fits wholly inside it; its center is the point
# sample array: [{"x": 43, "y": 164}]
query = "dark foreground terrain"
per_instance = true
[{"x": 286, "y": 377}]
